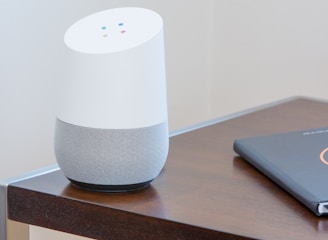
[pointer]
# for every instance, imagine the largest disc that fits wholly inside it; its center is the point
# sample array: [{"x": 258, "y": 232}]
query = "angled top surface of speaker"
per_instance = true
[{"x": 113, "y": 30}]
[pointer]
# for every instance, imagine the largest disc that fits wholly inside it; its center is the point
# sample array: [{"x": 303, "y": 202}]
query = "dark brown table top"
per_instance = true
[{"x": 204, "y": 192}]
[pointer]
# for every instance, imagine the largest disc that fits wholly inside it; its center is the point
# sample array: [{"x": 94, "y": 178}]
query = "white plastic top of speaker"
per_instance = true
[
  {"x": 114, "y": 71},
  {"x": 113, "y": 30}
]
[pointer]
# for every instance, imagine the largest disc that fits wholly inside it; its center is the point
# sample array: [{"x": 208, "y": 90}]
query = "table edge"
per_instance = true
[{"x": 4, "y": 183}]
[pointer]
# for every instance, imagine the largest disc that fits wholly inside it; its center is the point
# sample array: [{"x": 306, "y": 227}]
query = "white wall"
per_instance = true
[
  {"x": 267, "y": 50},
  {"x": 222, "y": 56}
]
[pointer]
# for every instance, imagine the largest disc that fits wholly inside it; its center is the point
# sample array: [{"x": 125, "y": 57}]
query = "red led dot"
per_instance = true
[{"x": 123, "y": 31}]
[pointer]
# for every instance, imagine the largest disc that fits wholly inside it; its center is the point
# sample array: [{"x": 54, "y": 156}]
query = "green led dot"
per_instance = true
[{"x": 103, "y": 28}]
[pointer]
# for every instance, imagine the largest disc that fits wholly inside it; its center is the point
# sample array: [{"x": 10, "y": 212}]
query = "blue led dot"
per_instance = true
[{"x": 120, "y": 24}]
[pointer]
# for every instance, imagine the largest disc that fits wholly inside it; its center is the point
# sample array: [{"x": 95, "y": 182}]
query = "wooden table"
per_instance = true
[{"x": 204, "y": 192}]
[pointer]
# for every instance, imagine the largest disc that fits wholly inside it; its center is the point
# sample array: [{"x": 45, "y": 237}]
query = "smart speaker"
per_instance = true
[{"x": 111, "y": 129}]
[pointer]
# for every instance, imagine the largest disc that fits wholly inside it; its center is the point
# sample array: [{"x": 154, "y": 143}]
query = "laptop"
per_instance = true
[{"x": 297, "y": 161}]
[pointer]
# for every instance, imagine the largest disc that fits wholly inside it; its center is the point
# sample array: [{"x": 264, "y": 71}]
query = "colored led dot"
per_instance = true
[
  {"x": 123, "y": 31},
  {"x": 120, "y": 24},
  {"x": 103, "y": 28}
]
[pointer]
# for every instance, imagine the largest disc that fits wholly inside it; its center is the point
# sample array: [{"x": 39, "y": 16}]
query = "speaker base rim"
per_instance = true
[{"x": 110, "y": 188}]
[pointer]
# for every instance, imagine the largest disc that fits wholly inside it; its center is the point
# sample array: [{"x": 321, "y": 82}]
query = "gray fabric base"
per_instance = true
[{"x": 111, "y": 156}]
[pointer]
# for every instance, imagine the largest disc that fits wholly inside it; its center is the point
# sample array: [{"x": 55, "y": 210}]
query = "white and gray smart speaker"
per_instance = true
[{"x": 112, "y": 128}]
